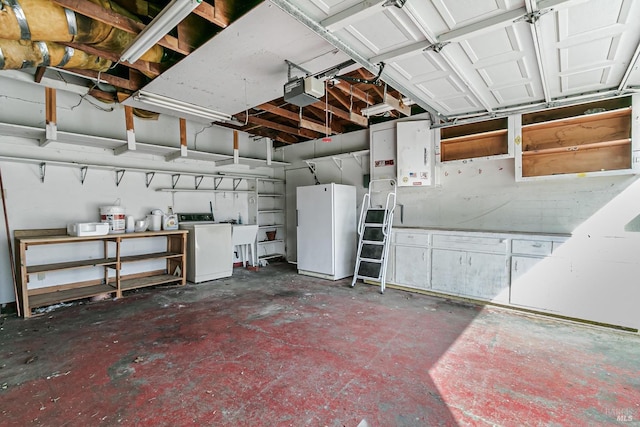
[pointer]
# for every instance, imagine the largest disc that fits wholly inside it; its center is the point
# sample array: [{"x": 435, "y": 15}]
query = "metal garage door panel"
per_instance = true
[
  {"x": 389, "y": 29},
  {"x": 501, "y": 65},
  {"x": 586, "y": 45},
  {"x": 430, "y": 74},
  {"x": 458, "y": 13},
  {"x": 320, "y": 9}
]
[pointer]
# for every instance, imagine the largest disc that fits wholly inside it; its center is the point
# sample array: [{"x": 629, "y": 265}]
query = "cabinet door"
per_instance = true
[
  {"x": 534, "y": 281},
  {"x": 415, "y": 154},
  {"x": 449, "y": 271},
  {"x": 486, "y": 277},
  {"x": 383, "y": 151},
  {"x": 412, "y": 266}
]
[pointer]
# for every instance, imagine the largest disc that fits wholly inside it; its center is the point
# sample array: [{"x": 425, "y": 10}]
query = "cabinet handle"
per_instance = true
[
  {"x": 515, "y": 267},
  {"x": 460, "y": 260},
  {"x": 537, "y": 245},
  {"x": 469, "y": 261}
]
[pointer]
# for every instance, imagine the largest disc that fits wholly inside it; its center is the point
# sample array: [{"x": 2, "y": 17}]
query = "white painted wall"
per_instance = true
[
  {"x": 483, "y": 196},
  {"x": 62, "y": 198},
  {"x": 298, "y": 174}
]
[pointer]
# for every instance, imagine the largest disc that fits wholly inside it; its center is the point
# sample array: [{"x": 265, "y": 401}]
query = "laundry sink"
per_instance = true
[
  {"x": 243, "y": 234},
  {"x": 245, "y": 237}
]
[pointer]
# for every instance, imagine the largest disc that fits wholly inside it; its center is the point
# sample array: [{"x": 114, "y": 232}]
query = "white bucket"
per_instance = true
[
  {"x": 155, "y": 222},
  {"x": 115, "y": 217}
]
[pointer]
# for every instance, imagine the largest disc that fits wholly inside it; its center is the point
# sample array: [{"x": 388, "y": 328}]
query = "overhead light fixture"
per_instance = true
[
  {"x": 164, "y": 22},
  {"x": 176, "y": 106}
]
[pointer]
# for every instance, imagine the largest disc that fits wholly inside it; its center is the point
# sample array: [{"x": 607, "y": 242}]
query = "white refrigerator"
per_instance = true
[{"x": 327, "y": 230}]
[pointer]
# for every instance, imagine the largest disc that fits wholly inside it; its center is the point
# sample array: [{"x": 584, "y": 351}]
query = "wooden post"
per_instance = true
[
  {"x": 51, "y": 128},
  {"x": 183, "y": 137},
  {"x": 236, "y": 148},
  {"x": 131, "y": 135}
]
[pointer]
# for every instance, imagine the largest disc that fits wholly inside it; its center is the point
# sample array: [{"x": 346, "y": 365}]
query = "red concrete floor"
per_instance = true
[{"x": 271, "y": 348}]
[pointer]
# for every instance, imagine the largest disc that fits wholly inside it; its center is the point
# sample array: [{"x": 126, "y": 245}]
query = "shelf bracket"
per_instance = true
[
  {"x": 338, "y": 162},
  {"x": 149, "y": 177},
  {"x": 236, "y": 183},
  {"x": 216, "y": 183},
  {"x": 43, "y": 171},
  {"x": 119, "y": 176},
  {"x": 198, "y": 180},
  {"x": 312, "y": 168},
  {"x": 83, "y": 174},
  {"x": 174, "y": 180},
  {"x": 357, "y": 158}
]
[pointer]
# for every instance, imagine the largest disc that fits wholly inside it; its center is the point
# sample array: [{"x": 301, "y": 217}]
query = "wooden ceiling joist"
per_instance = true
[
  {"x": 217, "y": 14},
  {"x": 368, "y": 76},
  {"x": 303, "y": 122},
  {"x": 282, "y": 112},
  {"x": 145, "y": 67},
  {"x": 341, "y": 98},
  {"x": 112, "y": 80},
  {"x": 280, "y": 127},
  {"x": 346, "y": 115},
  {"x": 109, "y": 17},
  {"x": 351, "y": 90}
]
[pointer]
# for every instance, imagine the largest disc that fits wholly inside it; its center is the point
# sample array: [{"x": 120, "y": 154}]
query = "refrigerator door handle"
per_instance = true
[{"x": 297, "y": 217}]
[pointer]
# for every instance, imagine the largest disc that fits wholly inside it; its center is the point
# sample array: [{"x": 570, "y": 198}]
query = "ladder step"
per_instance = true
[
  {"x": 369, "y": 269},
  {"x": 373, "y": 224},
  {"x": 367, "y": 277},
  {"x": 375, "y": 216},
  {"x": 371, "y": 260},
  {"x": 371, "y": 251},
  {"x": 372, "y": 242},
  {"x": 373, "y": 234}
]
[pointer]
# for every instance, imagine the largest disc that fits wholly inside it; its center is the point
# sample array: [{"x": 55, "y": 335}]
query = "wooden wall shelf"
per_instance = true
[
  {"x": 475, "y": 140},
  {"x": 28, "y": 299},
  {"x": 560, "y": 145}
]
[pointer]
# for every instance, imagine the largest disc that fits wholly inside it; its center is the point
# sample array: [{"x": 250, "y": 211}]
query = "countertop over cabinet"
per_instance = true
[{"x": 578, "y": 277}]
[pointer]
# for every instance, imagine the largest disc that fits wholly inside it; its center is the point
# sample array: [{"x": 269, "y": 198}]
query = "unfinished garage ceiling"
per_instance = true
[{"x": 378, "y": 59}]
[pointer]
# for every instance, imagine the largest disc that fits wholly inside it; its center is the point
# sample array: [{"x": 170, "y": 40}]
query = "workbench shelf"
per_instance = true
[
  {"x": 112, "y": 281},
  {"x": 66, "y": 295}
]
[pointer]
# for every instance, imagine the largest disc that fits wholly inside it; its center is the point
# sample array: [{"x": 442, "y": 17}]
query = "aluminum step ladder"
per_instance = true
[{"x": 374, "y": 230}]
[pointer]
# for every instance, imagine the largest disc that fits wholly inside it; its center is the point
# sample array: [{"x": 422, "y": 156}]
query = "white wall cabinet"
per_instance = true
[
  {"x": 382, "y": 143},
  {"x": 415, "y": 154}
]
